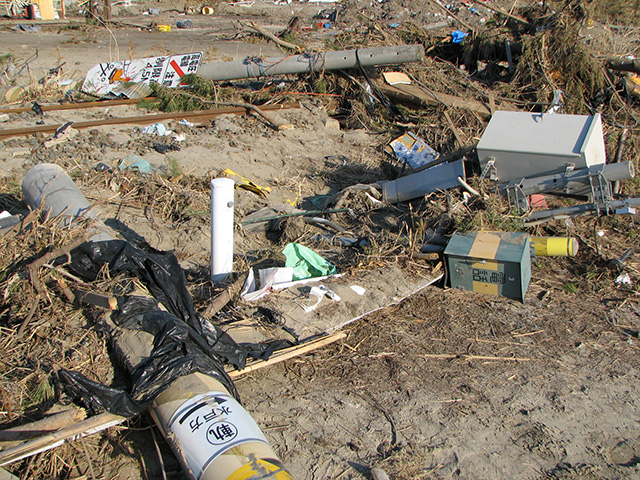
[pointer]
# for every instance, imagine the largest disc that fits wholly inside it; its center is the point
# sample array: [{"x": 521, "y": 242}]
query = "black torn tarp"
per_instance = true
[
  {"x": 183, "y": 341},
  {"x": 159, "y": 271},
  {"x": 97, "y": 397},
  {"x": 177, "y": 350}
]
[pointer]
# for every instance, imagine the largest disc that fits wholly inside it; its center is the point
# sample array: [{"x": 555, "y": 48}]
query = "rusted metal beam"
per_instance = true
[
  {"x": 77, "y": 106},
  {"x": 197, "y": 117}
]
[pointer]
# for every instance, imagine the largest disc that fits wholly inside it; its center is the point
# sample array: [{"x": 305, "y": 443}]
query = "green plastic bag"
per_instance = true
[{"x": 306, "y": 263}]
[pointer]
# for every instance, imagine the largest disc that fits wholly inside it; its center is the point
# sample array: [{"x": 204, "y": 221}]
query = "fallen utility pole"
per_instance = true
[
  {"x": 197, "y": 117},
  {"x": 231, "y": 444},
  {"x": 311, "y": 62}
]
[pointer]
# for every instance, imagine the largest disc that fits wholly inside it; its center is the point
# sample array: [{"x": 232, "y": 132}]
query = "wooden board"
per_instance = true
[
  {"x": 385, "y": 286},
  {"x": 419, "y": 96}
]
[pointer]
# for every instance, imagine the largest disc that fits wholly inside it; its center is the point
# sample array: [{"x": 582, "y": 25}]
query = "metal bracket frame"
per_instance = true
[
  {"x": 568, "y": 169},
  {"x": 517, "y": 199},
  {"x": 601, "y": 193},
  {"x": 489, "y": 169}
]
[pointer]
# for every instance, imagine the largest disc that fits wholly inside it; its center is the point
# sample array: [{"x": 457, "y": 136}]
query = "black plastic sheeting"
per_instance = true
[{"x": 183, "y": 341}]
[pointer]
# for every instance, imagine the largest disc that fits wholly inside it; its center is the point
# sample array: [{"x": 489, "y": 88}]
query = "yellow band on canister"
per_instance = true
[
  {"x": 555, "y": 246},
  {"x": 164, "y": 28},
  {"x": 260, "y": 469}
]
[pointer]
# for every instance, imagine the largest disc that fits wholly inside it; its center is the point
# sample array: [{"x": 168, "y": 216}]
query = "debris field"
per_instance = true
[{"x": 372, "y": 239}]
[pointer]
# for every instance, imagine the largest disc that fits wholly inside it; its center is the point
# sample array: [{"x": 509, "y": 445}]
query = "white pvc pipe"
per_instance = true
[{"x": 222, "y": 200}]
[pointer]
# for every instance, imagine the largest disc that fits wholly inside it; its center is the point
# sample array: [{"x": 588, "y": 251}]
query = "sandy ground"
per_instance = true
[{"x": 448, "y": 384}]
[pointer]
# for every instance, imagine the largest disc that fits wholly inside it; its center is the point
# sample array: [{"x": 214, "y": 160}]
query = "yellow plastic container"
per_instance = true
[
  {"x": 555, "y": 246},
  {"x": 164, "y": 28}
]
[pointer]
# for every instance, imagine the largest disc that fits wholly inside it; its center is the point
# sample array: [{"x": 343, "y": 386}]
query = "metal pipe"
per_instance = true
[
  {"x": 311, "y": 62},
  {"x": 577, "y": 179},
  {"x": 440, "y": 177},
  {"x": 619, "y": 151},
  {"x": 578, "y": 210}
]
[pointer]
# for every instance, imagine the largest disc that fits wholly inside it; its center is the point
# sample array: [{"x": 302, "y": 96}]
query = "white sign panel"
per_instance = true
[{"x": 167, "y": 71}]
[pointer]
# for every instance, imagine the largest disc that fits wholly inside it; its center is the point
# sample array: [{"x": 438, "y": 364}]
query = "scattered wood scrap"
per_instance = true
[
  {"x": 87, "y": 427},
  {"x": 14, "y": 436},
  {"x": 288, "y": 353},
  {"x": 265, "y": 33},
  {"x": 77, "y": 106},
  {"x": 415, "y": 95}
]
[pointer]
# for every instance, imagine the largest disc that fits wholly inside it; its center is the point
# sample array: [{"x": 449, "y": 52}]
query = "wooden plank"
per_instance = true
[
  {"x": 198, "y": 117},
  {"x": 454, "y": 129},
  {"x": 288, "y": 353},
  {"x": 87, "y": 427},
  {"x": 11, "y": 437},
  {"x": 417, "y": 95},
  {"x": 47, "y": 12}
]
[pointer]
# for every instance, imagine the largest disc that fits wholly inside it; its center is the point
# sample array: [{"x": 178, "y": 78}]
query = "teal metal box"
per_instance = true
[{"x": 497, "y": 263}]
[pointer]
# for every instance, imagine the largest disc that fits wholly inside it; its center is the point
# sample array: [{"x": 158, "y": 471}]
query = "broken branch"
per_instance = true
[
  {"x": 58, "y": 252},
  {"x": 262, "y": 31},
  {"x": 223, "y": 298}
]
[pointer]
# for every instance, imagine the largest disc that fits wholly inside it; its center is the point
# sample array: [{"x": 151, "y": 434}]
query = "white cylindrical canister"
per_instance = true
[
  {"x": 214, "y": 436},
  {"x": 222, "y": 200}
]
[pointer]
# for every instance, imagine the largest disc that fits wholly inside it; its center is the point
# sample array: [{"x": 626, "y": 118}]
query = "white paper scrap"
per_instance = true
[{"x": 358, "y": 289}]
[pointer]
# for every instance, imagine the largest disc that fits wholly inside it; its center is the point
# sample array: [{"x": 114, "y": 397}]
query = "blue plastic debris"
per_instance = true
[
  {"x": 134, "y": 162},
  {"x": 457, "y": 36}
]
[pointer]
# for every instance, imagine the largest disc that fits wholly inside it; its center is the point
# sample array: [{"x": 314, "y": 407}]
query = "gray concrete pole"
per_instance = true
[
  {"x": 49, "y": 184},
  {"x": 212, "y": 435},
  {"x": 311, "y": 62}
]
